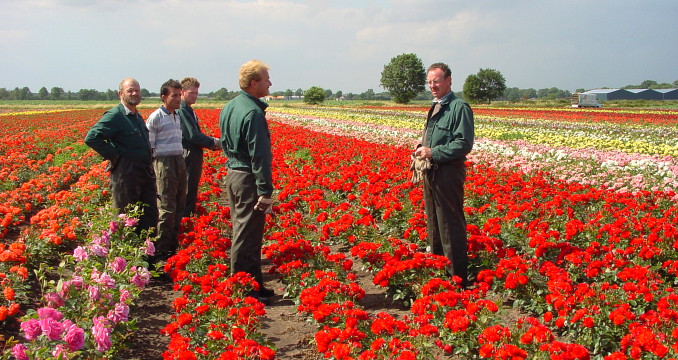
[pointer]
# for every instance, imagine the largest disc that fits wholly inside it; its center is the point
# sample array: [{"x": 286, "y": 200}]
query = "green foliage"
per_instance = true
[
  {"x": 315, "y": 95},
  {"x": 404, "y": 77},
  {"x": 487, "y": 85}
]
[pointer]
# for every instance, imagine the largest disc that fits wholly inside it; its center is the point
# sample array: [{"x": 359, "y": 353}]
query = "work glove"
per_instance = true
[
  {"x": 264, "y": 204},
  {"x": 216, "y": 145},
  {"x": 419, "y": 167}
]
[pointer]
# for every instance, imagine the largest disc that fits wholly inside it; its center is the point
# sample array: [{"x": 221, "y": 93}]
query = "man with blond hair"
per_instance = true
[
  {"x": 193, "y": 141},
  {"x": 121, "y": 137},
  {"x": 246, "y": 142}
]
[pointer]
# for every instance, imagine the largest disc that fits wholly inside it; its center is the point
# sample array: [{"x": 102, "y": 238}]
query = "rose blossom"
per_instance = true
[
  {"x": 125, "y": 295},
  {"x": 101, "y": 333},
  {"x": 51, "y": 328},
  {"x": 80, "y": 253},
  {"x": 31, "y": 329},
  {"x": 19, "y": 352},
  {"x": 94, "y": 293},
  {"x": 54, "y": 299},
  {"x": 48, "y": 312},
  {"x": 119, "y": 313},
  {"x": 118, "y": 265},
  {"x": 75, "y": 337},
  {"x": 150, "y": 247}
]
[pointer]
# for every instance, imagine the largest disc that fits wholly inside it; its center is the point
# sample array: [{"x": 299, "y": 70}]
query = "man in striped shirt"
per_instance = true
[{"x": 164, "y": 127}]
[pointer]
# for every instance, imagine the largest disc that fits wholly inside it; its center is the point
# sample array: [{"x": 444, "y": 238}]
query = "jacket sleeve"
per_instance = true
[
  {"x": 259, "y": 147},
  {"x": 461, "y": 136},
  {"x": 99, "y": 137},
  {"x": 191, "y": 133}
]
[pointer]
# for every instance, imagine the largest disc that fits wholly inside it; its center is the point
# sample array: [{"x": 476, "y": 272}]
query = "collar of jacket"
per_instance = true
[
  {"x": 257, "y": 101},
  {"x": 447, "y": 98}
]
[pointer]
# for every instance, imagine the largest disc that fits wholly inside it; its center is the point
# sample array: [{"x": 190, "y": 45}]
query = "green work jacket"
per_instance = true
[
  {"x": 191, "y": 136},
  {"x": 246, "y": 139},
  {"x": 118, "y": 135},
  {"x": 450, "y": 132}
]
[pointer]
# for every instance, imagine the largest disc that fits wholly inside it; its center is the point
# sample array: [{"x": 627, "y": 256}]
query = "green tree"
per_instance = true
[
  {"x": 328, "y": 94},
  {"x": 487, "y": 85},
  {"x": 299, "y": 92},
  {"x": 404, "y": 77},
  {"x": 289, "y": 93},
  {"x": 314, "y": 95},
  {"x": 367, "y": 95},
  {"x": 43, "y": 94},
  {"x": 648, "y": 84},
  {"x": 4, "y": 94},
  {"x": 338, "y": 94},
  {"x": 55, "y": 93}
]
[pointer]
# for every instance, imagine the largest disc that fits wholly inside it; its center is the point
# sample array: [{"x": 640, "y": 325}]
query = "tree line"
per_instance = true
[{"x": 404, "y": 79}]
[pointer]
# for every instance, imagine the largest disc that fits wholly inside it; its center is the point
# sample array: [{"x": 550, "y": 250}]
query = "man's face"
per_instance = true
[
  {"x": 130, "y": 93},
  {"x": 172, "y": 101},
  {"x": 260, "y": 87},
  {"x": 438, "y": 83},
  {"x": 190, "y": 95}
]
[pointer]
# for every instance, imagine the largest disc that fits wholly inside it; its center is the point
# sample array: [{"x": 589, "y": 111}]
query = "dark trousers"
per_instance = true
[
  {"x": 446, "y": 223},
  {"x": 193, "y": 159},
  {"x": 131, "y": 182},
  {"x": 171, "y": 181},
  {"x": 248, "y": 224}
]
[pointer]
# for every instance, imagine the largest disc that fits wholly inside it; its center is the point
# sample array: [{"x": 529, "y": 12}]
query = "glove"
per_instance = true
[
  {"x": 216, "y": 145},
  {"x": 419, "y": 166},
  {"x": 264, "y": 204}
]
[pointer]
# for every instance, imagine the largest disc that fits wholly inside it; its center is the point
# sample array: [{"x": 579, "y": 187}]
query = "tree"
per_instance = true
[
  {"x": 647, "y": 84},
  {"x": 43, "y": 94},
  {"x": 328, "y": 94},
  {"x": 289, "y": 93},
  {"x": 404, "y": 77},
  {"x": 338, "y": 95},
  {"x": 299, "y": 92},
  {"x": 55, "y": 93},
  {"x": 367, "y": 95},
  {"x": 485, "y": 86},
  {"x": 314, "y": 95}
]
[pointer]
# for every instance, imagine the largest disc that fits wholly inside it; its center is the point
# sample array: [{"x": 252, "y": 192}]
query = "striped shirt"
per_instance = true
[{"x": 164, "y": 133}]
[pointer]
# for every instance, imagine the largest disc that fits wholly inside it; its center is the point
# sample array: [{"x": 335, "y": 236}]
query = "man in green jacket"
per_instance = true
[
  {"x": 193, "y": 141},
  {"x": 246, "y": 142},
  {"x": 121, "y": 137},
  {"x": 447, "y": 139}
]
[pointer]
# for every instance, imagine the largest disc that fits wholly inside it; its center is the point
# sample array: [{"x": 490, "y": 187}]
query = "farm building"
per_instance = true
[
  {"x": 668, "y": 94},
  {"x": 645, "y": 94},
  {"x": 634, "y": 94}
]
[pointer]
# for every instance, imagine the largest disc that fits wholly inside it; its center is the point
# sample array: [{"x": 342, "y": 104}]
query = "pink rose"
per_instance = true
[
  {"x": 150, "y": 247},
  {"x": 31, "y": 329},
  {"x": 118, "y": 265},
  {"x": 80, "y": 253},
  {"x": 51, "y": 328},
  {"x": 19, "y": 352},
  {"x": 102, "y": 335},
  {"x": 48, "y": 312},
  {"x": 119, "y": 313},
  {"x": 75, "y": 337}
]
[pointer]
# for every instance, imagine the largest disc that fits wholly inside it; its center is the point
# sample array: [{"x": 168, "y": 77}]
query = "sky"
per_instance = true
[{"x": 337, "y": 45}]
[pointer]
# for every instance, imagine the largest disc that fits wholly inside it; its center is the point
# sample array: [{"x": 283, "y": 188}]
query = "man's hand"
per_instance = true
[
  {"x": 423, "y": 152},
  {"x": 264, "y": 204},
  {"x": 216, "y": 145}
]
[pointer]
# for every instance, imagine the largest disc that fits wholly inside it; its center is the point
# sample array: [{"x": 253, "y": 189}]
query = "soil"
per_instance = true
[{"x": 290, "y": 333}]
